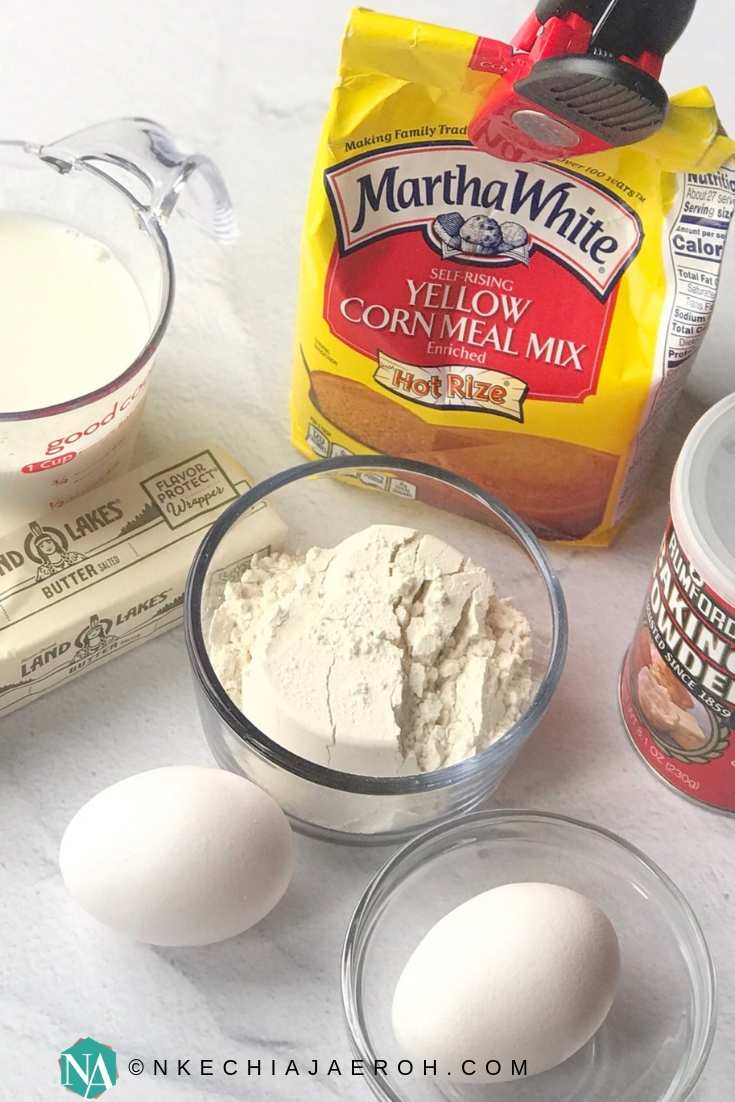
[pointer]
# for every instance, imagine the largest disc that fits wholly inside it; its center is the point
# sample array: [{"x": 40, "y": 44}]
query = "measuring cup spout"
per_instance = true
[{"x": 141, "y": 158}]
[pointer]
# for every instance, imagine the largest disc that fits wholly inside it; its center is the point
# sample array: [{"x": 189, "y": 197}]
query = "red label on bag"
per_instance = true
[{"x": 446, "y": 257}]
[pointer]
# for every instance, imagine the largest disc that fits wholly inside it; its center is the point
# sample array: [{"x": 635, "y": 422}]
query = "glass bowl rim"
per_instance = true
[
  {"x": 351, "y": 962},
  {"x": 277, "y": 755}
]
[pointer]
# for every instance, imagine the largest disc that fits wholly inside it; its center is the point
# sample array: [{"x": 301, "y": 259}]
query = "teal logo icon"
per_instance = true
[{"x": 88, "y": 1068}]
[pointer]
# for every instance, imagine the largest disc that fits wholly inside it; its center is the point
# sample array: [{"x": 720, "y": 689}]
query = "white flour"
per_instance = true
[{"x": 388, "y": 654}]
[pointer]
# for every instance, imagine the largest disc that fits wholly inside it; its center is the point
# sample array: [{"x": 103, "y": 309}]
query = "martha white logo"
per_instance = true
[{"x": 474, "y": 208}]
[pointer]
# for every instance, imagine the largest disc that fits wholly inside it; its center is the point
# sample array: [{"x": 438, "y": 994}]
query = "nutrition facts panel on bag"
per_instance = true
[
  {"x": 696, "y": 240},
  {"x": 698, "y": 237}
]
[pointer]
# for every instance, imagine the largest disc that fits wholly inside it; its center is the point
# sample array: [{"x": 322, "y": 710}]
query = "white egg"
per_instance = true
[
  {"x": 178, "y": 856},
  {"x": 522, "y": 972}
]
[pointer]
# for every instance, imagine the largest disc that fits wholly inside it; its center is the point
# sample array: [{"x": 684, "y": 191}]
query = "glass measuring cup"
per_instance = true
[{"x": 116, "y": 182}]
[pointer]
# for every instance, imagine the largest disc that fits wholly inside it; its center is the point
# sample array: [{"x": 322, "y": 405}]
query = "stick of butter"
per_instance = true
[{"x": 107, "y": 571}]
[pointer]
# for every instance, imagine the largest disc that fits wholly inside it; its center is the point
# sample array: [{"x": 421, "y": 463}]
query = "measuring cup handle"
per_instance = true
[{"x": 145, "y": 150}]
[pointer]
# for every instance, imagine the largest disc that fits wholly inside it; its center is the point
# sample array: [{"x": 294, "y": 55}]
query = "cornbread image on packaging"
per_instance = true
[
  {"x": 668, "y": 680},
  {"x": 667, "y": 710},
  {"x": 481, "y": 235},
  {"x": 447, "y": 228},
  {"x": 664, "y": 702},
  {"x": 655, "y": 702},
  {"x": 528, "y": 326},
  {"x": 530, "y": 474}
]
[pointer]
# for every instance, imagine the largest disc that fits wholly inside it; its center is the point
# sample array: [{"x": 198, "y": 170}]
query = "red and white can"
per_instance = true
[{"x": 677, "y": 685}]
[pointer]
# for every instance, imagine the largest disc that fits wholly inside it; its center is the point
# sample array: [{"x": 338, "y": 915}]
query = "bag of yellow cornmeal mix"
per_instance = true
[{"x": 527, "y": 326}]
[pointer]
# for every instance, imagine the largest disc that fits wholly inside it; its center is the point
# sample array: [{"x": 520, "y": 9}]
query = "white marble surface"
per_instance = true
[{"x": 248, "y": 83}]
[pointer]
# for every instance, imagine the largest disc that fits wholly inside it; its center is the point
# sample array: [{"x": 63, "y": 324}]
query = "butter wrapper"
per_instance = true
[{"x": 107, "y": 571}]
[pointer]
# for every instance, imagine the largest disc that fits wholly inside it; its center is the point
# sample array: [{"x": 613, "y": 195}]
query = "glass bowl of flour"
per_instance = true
[{"x": 380, "y": 668}]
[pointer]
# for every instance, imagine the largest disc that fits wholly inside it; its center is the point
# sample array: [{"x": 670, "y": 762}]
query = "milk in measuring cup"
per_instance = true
[{"x": 73, "y": 318}]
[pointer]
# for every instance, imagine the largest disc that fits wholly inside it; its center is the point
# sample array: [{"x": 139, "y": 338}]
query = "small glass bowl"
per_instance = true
[
  {"x": 320, "y": 508},
  {"x": 656, "y": 1039}
]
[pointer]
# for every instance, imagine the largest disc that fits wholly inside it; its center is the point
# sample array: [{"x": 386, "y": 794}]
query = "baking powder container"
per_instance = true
[
  {"x": 677, "y": 686},
  {"x": 117, "y": 182}
]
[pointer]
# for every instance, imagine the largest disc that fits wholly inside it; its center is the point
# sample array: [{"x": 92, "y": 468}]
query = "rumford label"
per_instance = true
[
  {"x": 108, "y": 571},
  {"x": 678, "y": 683},
  {"x": 695, "y": 628},
  {"x": 460, "y": 245}
]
